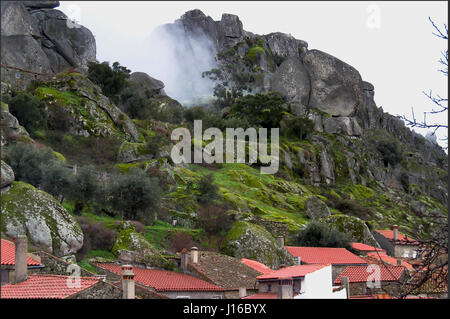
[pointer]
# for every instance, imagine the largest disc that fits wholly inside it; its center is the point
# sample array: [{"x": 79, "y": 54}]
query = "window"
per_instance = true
[
  {"x": 269, "y": 287},
  {"x": 4, "y": 277},
  {"x": 406, "y": 253}
]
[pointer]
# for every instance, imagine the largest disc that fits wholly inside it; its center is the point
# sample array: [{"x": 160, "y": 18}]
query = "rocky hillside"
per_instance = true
[{"x": 344, "y": 161}]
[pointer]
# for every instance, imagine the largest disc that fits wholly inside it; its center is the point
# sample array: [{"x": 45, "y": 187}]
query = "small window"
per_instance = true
[
  {"x": 269, "y": 287},
  {"x": 4, "y": 277}
]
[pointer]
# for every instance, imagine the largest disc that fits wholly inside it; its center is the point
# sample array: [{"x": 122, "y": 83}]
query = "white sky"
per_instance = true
[{"x": 400, "y": 58}]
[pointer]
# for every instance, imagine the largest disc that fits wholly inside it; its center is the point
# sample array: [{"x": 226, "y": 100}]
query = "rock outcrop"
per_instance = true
[
  {"x": 7, "y": 175},
  {"x": 316, "y": 209},
  {"x": 47, "y": 40},
  {"x": 29, "y": 211}
]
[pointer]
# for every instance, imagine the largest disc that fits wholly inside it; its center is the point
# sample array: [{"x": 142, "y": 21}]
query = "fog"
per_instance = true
[{"x": 175, "y": 58}]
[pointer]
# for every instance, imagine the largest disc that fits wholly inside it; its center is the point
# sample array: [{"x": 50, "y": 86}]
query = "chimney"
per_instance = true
[
  {"x": 184, "y": 260},
  {"x": 399, "y": 262},
  {"x": 346, "y": 285},
  {"x": 128, "y": 285},
  {"x": 395, "y": 229},
  {"x": 286, "y": 288},
  {"x": 194, "y": 255},
  {"x": 297, "y": 260},
  {"x": 20, "y": 263},
  {"x": 280, "y": 240},
  {"x": 242, "y": 292}
]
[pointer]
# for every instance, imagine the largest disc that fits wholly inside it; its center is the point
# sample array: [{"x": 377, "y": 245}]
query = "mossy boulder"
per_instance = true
[
  {"x": 246, "y": 240},
  {"x": 133, "y": 247},
  {"x": 131, "y": 152},
  {"x": 7, "y": 175},
  {"x": 315, "y": 208},
  {"x": 353, "y": 226},
  {"x": 29, "y": 211}
]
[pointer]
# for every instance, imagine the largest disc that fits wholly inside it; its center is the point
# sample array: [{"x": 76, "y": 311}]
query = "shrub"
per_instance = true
[
  {"x": 350, "y": 207},
  {"x": 208, "y": 190},
  {"x": 265, "y": 110},
  {"x": 85, "y": 187},
  {"x": 404, "y": 180},
  {"x": 299, "y": 127},
  {"x": 135, "y": 194},
  {"x": 57, "y": 180},
  {"x": 96, "y": 237},
  {"x": 29, "y": 111},
  {"x": 132, "y": 103},
  {"x": 111, "y": 80},
  {"x": 390, "y": 151},
  {"x": 317, "y": 234},
  {"x": 214, "y": 218},
  {"x": 28, "y": 162},
  {"x": 181, "y": 240}
]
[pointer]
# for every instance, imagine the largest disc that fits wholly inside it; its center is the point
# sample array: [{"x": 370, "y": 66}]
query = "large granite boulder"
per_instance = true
[
  {"x": 246, "y": 240},
  {"x": 16, "y": 20},
  {"x": 41, "y": 4},
  {"x": 316, "y": 208},
  {"x": 28, "y": 210},
  {"x": 342, "y": 125},
  {"x": 7, "y": 175},
  {"x": 283, "y": 45},
  {"x": 336, "y": 87},
  {"x": 146, "y": 85},
  {"x": 292, "y": 81}
]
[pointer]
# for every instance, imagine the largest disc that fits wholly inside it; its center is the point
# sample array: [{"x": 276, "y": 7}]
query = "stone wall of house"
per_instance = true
[
  {"x": 195, "y": 294},
  {"x": 56, "y": 266},
  {"x": 336, "y": 270},
  {"x": 404, "y": 251},
  {"x": 360, "y": 288},
  {"x": 234, "y": 294},
  {"x": 101, "y": 290},
  {"x": 20, "y": 79}
]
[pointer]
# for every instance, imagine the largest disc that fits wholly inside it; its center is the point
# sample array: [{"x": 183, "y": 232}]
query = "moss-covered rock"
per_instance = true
[
  {"x": 353, "y": 226},
  {"x": 130, "y": 152},
  {"x": 316, "y": 209},
  {"x": 246, "y": 240},
  {"x": 29, "y": 211},
  {"x": 137, "y": 248}
]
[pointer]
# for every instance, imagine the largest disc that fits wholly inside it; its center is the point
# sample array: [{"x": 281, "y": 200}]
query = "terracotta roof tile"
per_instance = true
[
  {"x": 293, "y": 271},
  {"x": 402, "y": 239},
  {"x": 163, "y": 280},
  {"x": 259, "y": 267},
  {"x": 224, "y": 271},
  {"x": 362, "y": 273},
  {"x": 325, "y": 255},
  {"x": 364, "y": 247},
  {"x": 45, "y": 287},
  {"x": 8, "y": 254}
]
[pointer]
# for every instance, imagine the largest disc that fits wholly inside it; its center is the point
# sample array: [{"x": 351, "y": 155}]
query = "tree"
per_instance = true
[
  {"x": 29, "y": 111},
  {"x": 317, "y": 234},
  {"x": 85, "y": 187},
  {"x": 208, "y": 190},
  {"x": 440, "y": 104},
  {"x": 135, "y": 195},
  {"x": 111, "y": 80},
  {"x": 57, "y": 180}
]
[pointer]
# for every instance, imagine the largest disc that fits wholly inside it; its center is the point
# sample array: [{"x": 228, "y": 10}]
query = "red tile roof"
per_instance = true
[
  {"x": 362, "y": 273},
  {"x": 263, "y": 295},
  {"x": 293, "y": 271},
  {"x": 45, "y": 287},
  {"x": 380, "y": 257},
  {"x": 259, "y": 267},
  {"x": 325, "y": 255},
  {"x": 8, "y": 254},
  {"x": 364, "y": 247},
  {"x": 402, "y": 239},
  {"x": 162, "y": 280}
]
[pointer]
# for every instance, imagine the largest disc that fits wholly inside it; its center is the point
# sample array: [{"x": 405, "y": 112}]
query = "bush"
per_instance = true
[
  {"x": 28, "y": 163},
  {"x": 96, "y": 237},
  {"x": 317, "y": 234},
  {"x": 57, "y": 180},
  {"x": 208, "y": 190},
  {"x": 265, "y": 110},
  {"x": 214, "y": 218},
  {"x": 299, "y": 127},
  {"x": 111, "y": 80},
  {"x": 181, "y": 240},
  {"x": 135, "y": 195},
  {"x": 29, "y": 111},
  {"x": 350, "y": 207},
  {"x": 404, "y": 180},
  {"x": 390, "y": 151},
  {"x": 133, "y": 104},
  {"x": 85, "y": 187}
]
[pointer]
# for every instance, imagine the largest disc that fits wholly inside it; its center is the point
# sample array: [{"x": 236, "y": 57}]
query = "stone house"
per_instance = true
[
  {"x": 396, "y": 244},
  {"x": 338, "y": 258},
  {"x": 373, "y": 280},
  {"x": 237, "y": 278},
  {"x": 163, "y": 284},
  {"x": 298, "y": 282}
]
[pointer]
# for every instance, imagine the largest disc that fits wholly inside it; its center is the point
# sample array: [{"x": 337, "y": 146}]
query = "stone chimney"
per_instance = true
[
  {"x": 346, "y": 285},
  {"x": 194, "y": 255},
  {"x": 20, "y": 263},
  {"x": 280, "y": 240},
  {"x": 184, "y": 260},
  {"x": 128, "y": 285},
  {"x": 242, "y": 292},
  {"x": 286, "y": 288},
  {"x": 395, "y": 230}
]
